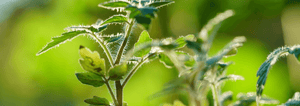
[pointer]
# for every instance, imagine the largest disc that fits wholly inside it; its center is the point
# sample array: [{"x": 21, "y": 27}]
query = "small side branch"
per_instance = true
[
  {"x": 110, "y": 91},
  {"x": 135, "y": 69}
]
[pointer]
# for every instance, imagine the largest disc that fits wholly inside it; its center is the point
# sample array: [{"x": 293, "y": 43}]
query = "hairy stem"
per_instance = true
[
  {"x": 136, "y": 67},
  {"x": 119, "y": 90},
  {"x": 110, "y": 91},
  {"x": 109, "y": 57},
  {"x": 215, "y": 95},
  {"x": 121, "y": 50}
]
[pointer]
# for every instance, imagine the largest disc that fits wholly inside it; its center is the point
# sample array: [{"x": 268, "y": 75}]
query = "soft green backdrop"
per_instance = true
[{"x": 49, "y": 79}]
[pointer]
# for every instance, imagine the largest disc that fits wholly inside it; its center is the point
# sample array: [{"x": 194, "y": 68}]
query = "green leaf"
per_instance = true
[
  {"x": 118, "y": 19},
  {"x": 228, "y": 50},
  {"x": 168, "y": 44},
  {"x": 165, "y": 60},
  {"x": 208, "y": 32},
  {"x": 133, "y": 11},
  {"x": 93, "y": 28},
  {"x": 114, "y": 5},
  {"x": 90, "y": 79},
  {"x": 143, "y": 16},
  {"x": 181, "y": 41},
  {"x": 117, "y": 72},
  {"x": 195, "y": 46},
  {"x": 143, "y": 39},
  {"x": 159, "y": 4},
  {"x": 188, "y": 60},
  {"x": 296, "y": 51},
  {"x": 110, "y": 39},
  {"x": 249, "y": 98},
  {"x": 91, "y": 61},
  {"x": 230, "y": 77},
  {"x": 61, "y": 39},
  {"x": 222, "y": 67},
  {"x": 226, "y": 98},
  {"x": 295, "y": 101},
  {"x": 97, "y": 101}
]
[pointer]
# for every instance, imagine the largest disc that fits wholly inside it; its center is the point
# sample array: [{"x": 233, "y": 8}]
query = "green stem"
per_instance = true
[
  {"x": 121, "y": 50},
  {"x": 215, "y": 95},
  {"x": 135, "y": 69},
  {"x": 119, "y": 90},
  {"x": 110, "y": 91},
  {"x": 109, "y": 57}
]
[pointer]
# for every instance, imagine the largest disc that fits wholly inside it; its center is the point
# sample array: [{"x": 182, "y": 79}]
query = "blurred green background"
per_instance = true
[{"x": 49, "y": 79}]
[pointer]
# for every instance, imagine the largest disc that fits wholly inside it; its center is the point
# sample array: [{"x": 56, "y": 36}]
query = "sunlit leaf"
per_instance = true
[
  {"x": 249, "y": 98},
  {"x": 116, "y": 19},
  {"x": 93, "y": 28},
  {"x": 188, "y": 60},
  {"x": 114, "y": 5},
  {"x": 97, "y": 101},
  {"x": 90, "y": 79},
  {"x": 165, "y": 60},
  {"x": 272, "y": 58},
  {"x": 295, "y": 101},
  {"x": 159, "y": 4},
  {"x": 228, "y": 50},
  {"x": 61, "y": 39},
  {"x": 143, "y": 39},
  {"x": 110, "y": 39},
  {"x": 210, "y": 29},
  {"x": 91, "y": 61},
  {"x": 181, "y": 41},
  {"x": 117, "y": 72},
  {"x": 231, "y": 77}
]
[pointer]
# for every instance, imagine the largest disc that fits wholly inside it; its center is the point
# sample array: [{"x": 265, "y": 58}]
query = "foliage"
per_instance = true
[
  {"x": 138, "y": 12},
  {"x": 295, "y": 101},
  {"x": 272, "y": 58},
  {"x": 198, "y": 73}
]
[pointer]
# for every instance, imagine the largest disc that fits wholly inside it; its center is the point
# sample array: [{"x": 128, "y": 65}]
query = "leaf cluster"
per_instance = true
[
  {"x": 199, "y": 73},
  {"x": 96, "y": 73}
]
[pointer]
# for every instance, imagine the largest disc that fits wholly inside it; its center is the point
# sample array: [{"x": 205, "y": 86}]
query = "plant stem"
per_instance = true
[
  {"x": 135, "y": 69},
  {"x": 119, "y": 90},
  {"x": 110, "y": 91},
  {"x": 215, "y": 95},
  {"x": 109, "y": 57},
  {"x": 121, "y": 50}
]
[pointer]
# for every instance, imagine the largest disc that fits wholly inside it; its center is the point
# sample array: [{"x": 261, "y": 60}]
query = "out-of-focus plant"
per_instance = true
[
  {"x": 138, "y": 12},
  {"x": 263, "y": 71},
  {"x": 199, "y": 73},
  {"x": 295, "y": 101}
]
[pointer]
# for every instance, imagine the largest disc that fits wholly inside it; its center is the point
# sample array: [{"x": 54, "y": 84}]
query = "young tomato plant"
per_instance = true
[
  {"x": 199, "y": 73},
  {"x": 138, "y": 12}
]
